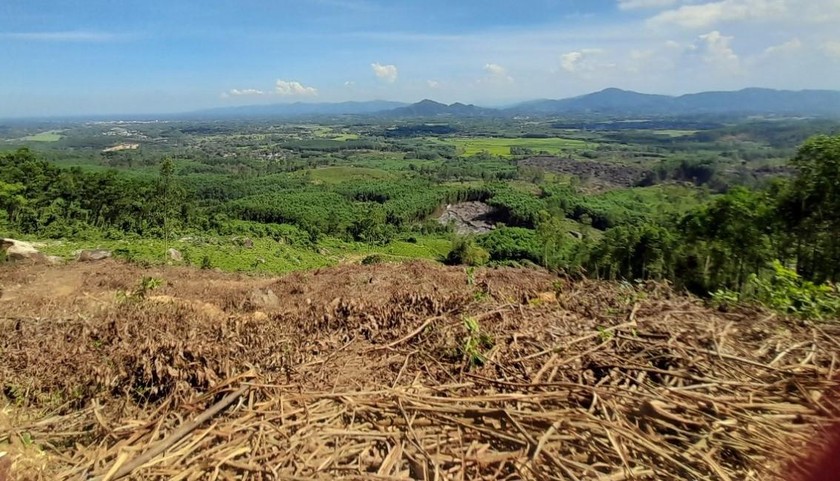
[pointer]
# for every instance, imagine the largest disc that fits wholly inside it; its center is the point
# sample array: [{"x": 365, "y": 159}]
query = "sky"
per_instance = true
[{"x": 75, "y": 57}]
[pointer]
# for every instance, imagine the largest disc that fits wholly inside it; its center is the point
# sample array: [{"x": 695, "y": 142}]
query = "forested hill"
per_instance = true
[
  {"x": 611, "y": 102},
  {"x": 748, "y": 101}
]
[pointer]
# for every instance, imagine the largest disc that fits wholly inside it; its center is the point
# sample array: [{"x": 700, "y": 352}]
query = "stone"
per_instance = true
[
  {"x": 16, "y": 250},
  {"x": 93, "y": 255},
  {"x": 175, "y": 255}
]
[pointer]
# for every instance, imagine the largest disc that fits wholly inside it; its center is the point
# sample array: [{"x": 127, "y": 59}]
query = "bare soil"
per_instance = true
[
  {"x": 397, "y": 371},
  {"x": 604, "y": 173},
  {"x": 469, "y": 217}
]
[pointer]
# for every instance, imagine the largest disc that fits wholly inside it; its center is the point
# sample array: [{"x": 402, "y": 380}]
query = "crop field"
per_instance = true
[
  {"x": 337, "y": 175},
  {"x": 49, "y": 136},
  {"x": 501, "y": 146}
]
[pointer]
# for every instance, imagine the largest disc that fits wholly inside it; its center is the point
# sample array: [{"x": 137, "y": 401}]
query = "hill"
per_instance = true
[
  {"x": 395, "y": 371},
  {"x": 297, "y": 109},
  {"x": 430, "y": 108},
  {"x": 752, "y": 101}
]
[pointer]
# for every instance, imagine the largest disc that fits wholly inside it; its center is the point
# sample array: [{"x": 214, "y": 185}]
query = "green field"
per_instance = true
[
  {"x": 501, "y": 146},
  {"x": 266, "y": 256},
  {"x": 337, "y": 175},
  {"x": 49, "y": 136}
]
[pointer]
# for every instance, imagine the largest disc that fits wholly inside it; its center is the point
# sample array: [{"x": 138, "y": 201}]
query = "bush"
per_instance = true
[
  {"x": 512, "y": 244},
  {"x": 373, "y": 259},
  {"x": 786, "y": 292},
  {"x": 466, "y": 252}
]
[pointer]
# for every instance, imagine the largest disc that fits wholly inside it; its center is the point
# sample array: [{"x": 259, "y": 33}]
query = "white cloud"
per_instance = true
[
  {"x": 711, "y": 13},
  {"x": 433, "y": 84},
  {"x": 639, "y": 4},
  {"x": 292, "y": 88},
  {"x": 579, "y": 60},
  {"x": 716, "y": 49},
  {"x": 387, "y": 73},
  {"x": 349, "y": 83},
  {"x": 496, "y": 74},
  {"x": 495, "y": 69},
  {"x": 792, "y": 46},
  {"x": 245, "y": 92}
]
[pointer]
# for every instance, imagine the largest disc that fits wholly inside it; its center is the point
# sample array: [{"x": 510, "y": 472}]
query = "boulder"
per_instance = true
[
  {"x": 16, "y": 250},
  {"x": 263, "y": 299},
  {"x": 175, "y": 255},
  {"x": 248, "y": 243},
  {"x": 93, "y": 255}
]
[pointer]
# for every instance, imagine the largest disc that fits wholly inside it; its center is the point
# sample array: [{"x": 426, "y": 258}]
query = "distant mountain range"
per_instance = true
[{"x": 609, "y": 103}]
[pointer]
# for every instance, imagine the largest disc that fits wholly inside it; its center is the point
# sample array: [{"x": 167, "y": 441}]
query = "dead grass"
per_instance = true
[{"x": 358, "y": 372}]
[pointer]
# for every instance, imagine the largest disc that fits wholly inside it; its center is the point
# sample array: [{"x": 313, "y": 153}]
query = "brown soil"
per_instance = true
[
  {"x": 396, "y": 371},
  {"x": 588, "y": 170}
]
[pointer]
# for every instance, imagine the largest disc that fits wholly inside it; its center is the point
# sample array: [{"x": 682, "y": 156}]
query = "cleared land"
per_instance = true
[
  {"x": 396, "y": 371},
  {"x": 502, "y": 146},
  {"x": 49, "y": 136}
]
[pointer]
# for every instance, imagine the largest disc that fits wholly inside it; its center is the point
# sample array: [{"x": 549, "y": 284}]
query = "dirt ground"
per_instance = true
[
  {"x": 396, "y": 371},
  {"x": 468, "y": 217}
]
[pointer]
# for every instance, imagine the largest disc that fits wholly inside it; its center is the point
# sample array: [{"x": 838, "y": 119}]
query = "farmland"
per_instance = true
[{"x": 502, "y": 146}]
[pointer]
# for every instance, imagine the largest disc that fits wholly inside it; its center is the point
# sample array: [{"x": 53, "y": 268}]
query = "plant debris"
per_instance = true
[{"x": 373, "y": 372}]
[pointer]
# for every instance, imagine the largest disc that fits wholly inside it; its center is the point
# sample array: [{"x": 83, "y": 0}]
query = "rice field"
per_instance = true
[{"x": 49, "y": 136}]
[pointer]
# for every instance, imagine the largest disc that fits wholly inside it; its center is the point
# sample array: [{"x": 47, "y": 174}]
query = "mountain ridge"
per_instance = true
[{"x": 607, "y": 102}]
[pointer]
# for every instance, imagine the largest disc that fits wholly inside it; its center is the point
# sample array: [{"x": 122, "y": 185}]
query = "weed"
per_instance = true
[
  {"x": 146, "y": 285},
  {"x": 786, "y": 292},
  {"x": 604, "y": 334},
  {"x": 470, "y": 271},
  {"x": 474, "y": 343}
]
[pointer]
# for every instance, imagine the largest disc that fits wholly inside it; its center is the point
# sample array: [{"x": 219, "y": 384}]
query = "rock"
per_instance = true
[
  {"x": 175, "y": 255},
  {"x": 55, "y": 260},
  {"x": 248, "y": 243},
  {"x": 576, "y": 235},
  {"x": 16, "y": 250},
  {"x": 263, "y": 299},
  {"x": 93, "y": 255}
]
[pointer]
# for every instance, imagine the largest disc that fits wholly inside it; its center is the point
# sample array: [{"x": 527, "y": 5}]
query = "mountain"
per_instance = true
[
  {"x": 298, "y": 109},
  {"x": 430, "y": 108},
  {"x": 751, "y": 101}
]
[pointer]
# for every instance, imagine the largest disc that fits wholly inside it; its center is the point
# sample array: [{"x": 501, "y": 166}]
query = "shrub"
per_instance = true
[
  {"x": 787, "y": 292},
  {"x": 373, "y": 259},
  {"x": 466, "y": 252}
]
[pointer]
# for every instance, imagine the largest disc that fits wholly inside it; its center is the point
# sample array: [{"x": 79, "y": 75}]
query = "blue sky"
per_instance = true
[{"x": 104, "y": 56}]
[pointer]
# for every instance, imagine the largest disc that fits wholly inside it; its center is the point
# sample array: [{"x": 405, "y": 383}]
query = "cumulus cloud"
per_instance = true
[
  {"x": 496, "y": 73},
  {"x": 716, "y": 49},
  {"x": 578, "y": 60},
  {"x": 433, "y": 84},
  {"x": 294, "y": 89},
  {"x": 387, "y": 73},
  {"x": 640, "y": 4}
]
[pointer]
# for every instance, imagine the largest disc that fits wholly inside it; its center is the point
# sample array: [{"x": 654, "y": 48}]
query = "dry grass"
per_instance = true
[{"x": 360, "y": 373}]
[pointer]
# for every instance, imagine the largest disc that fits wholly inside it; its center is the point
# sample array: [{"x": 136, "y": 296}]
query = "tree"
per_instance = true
[{"x": 811, "y": 208}]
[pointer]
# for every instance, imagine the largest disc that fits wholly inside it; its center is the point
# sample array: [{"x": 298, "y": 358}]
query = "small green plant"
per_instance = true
[
  {"x": 206, "y": 263},
  {"x": 466, "y": 252},
  {"x": 474, "y": 343},
  {"x": 724, "y": 299},
  {"x": 470, "y": 271},
  {"x": 604, "y": 334},
  {"x": 146, "y": 285}
]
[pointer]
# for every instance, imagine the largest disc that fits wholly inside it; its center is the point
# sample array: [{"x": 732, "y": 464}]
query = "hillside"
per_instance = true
[{"x": 395, "y": 371}]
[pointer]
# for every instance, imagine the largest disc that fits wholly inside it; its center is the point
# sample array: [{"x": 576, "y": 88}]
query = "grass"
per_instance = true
[
  {"x": 267, "y": 256},
  {"x": 49, "y": 136},
  {"x": 501, "y": 146},
  {"x": 339, "y": 174}
]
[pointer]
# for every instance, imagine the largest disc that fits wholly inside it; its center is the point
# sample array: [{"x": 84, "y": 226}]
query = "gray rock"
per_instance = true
[
  {"x": 16, "y": 250},
  {"x": 175, "y": 255},
  {"x": 93, "y": 255}
]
